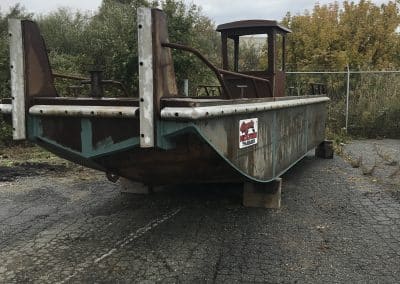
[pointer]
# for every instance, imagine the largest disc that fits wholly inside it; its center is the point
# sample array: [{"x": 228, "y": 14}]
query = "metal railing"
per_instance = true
[{"x": 219, "y": 72}]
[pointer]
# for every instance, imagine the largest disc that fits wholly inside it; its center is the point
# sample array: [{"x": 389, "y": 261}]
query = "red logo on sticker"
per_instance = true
[{"x": 248, "y": 132}]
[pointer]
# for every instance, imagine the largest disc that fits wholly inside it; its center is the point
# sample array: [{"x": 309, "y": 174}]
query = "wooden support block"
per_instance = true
[
  {"x": 128, "y": 186},
  {"x": 263, "y": 195},
  {"x": 325, "y": 150}
]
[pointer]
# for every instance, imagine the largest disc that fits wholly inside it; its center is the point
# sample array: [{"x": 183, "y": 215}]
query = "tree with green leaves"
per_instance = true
[{"x": 363, "y": 35}]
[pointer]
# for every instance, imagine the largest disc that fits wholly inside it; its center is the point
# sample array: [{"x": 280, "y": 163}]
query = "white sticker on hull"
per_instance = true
[{"x": 248, "y": 132}]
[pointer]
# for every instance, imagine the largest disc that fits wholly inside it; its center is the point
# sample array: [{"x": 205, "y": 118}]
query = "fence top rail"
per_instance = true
[{"x": 342, "y": 72}]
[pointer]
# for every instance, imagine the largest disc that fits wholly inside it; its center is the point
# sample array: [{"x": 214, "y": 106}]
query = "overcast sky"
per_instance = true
[{"x": 218, "y": 10}]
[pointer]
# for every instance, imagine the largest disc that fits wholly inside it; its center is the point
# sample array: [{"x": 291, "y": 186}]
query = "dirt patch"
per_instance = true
[
  {"x": 377, "y": 159},
  {"x": 28, "y": 169},
  {"x": 29, "y": 160}
]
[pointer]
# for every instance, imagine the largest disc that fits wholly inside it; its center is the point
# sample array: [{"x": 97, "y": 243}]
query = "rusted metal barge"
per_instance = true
[{"x": 249, "y": 133}]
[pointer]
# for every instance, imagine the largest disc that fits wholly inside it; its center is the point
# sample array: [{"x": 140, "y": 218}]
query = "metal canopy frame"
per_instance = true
[{"x": 234, "y": 30}]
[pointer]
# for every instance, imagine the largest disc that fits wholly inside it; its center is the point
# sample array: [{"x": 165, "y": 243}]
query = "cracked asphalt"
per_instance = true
[{"x": 73, "y": 226}]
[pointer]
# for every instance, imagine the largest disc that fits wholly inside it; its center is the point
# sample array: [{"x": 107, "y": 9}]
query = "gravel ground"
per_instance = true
[
  {"x": 335, "y": 225},
  {"x": 378, "y": 159}
]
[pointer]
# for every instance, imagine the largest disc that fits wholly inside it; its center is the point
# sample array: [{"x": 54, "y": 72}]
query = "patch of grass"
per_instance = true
[
  {"x": 27, "y": 153},
  {"x": 339, "y": 138}
]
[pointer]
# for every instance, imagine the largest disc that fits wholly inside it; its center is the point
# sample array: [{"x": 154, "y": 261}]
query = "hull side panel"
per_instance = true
[{"x": 284, "y": 137}]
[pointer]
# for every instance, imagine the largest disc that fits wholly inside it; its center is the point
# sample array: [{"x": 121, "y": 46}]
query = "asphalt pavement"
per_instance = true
[{"x": 336, "y": 225}]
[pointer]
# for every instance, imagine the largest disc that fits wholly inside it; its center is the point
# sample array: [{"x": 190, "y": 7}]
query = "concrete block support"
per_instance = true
[
  {"x": 263, "y": 195},
  {"x": 325, "y": 150}
]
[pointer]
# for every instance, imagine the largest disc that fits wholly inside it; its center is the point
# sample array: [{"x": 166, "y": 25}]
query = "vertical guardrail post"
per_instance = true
[
  {"x": 17, "y": 79},
  {"x": 146, "y": 95}
]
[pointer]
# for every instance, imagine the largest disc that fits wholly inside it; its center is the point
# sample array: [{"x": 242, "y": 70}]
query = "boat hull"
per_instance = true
[{"x": 188, "y": 150}]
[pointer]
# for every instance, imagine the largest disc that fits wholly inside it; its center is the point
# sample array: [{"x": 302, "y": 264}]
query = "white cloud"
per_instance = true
[
  {"x": 218, "y": 10},
  {"x": 45, "y": 6},
  {"x": 231, "y": 10}
]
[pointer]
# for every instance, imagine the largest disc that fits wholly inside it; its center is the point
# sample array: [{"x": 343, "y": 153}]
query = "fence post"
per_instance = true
[{"x": 347, "y": 97}]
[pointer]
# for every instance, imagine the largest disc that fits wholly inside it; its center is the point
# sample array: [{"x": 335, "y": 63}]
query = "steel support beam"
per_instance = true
[
  {"x": 17, "y": 79},
  {"x": 146, "y": 94}
]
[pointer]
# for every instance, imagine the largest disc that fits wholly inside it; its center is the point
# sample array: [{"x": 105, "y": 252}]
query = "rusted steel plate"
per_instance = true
[
  {"x": 86, "y": 101},
  {"x": 85, "y": 136},
  {"x": 63, "y": 131},
  {"x": 39, "y": 79},
  {"x": 191, "y": 160}
]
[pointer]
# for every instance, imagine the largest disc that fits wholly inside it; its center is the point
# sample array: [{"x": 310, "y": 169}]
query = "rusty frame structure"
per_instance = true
[{"x": 158, "y": 137}]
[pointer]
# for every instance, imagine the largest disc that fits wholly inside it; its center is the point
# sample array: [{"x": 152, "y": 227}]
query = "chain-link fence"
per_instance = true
[{"x": 364, "y": 103}]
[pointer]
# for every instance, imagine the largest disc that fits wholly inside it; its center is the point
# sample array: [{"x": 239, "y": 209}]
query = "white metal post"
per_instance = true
[
  {"x": 17, "y": 79},
  {"x": 146, "y": 96},
  {"x": 347, "y": 96},
  {"x": 186, "y": 87}
]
